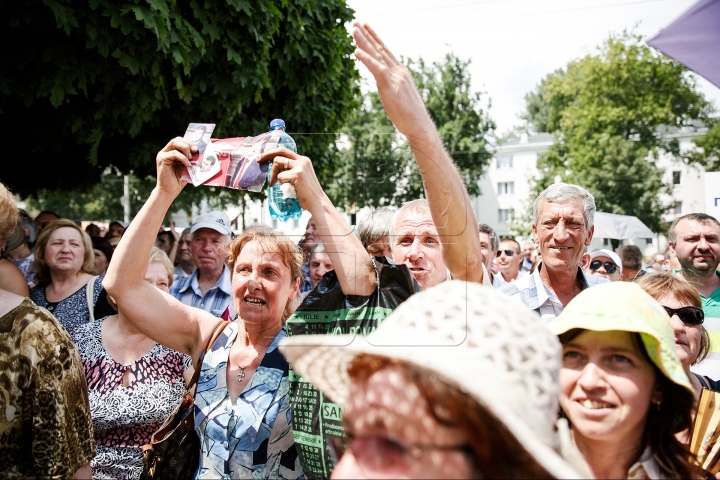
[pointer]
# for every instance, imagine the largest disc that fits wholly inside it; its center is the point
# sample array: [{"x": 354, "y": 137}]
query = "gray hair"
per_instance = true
[
  {"x": 562, "y": 192},
  {"x": 419, "y": 205},
  {"x": 376, "y": 225},
  {"x": 494, "y": 241},
  {"x": 317, "y": 248}
]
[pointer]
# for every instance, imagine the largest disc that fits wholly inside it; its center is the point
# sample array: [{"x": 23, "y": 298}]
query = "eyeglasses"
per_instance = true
[
  {"x": 609, "y": 266},
  {"x": 509, "y": 253},
  {"x": 382, "y": 454},
  {"x": 688, "y": 315}
]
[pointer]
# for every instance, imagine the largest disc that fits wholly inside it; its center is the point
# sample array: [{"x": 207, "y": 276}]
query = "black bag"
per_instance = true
[
  {"x": 327, "y": 310},
  {"x": 174, "y": 450}
]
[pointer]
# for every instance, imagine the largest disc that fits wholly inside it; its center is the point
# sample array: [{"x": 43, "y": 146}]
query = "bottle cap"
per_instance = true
[{"x": 277, "y": 123}]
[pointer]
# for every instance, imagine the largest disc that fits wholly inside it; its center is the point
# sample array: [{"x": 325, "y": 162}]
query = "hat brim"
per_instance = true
[
  {"x": 324, "y": 360},
  {"x": 211, "y": 225},
  {"x": 667, "y": 362}
]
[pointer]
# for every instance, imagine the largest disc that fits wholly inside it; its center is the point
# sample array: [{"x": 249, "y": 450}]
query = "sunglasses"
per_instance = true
[
  {"x": 378, "y": 454},
  {"x": 509, "y": 253},
  {"x": 609, "y": 266},
  {"x": 688, "y": 315}
]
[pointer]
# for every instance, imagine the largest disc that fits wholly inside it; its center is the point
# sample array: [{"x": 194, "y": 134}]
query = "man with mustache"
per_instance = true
[{"x": 695, "y": 239}]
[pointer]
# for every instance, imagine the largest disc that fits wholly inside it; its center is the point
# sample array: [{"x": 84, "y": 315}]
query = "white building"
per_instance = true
[{"x": 506, "y": 186}]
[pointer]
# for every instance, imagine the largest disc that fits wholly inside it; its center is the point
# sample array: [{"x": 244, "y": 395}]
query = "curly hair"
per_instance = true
[
  {"x": 271, "y": 242},
  {"x": 40, "y": 267},
  {"x": 8, "y": 214}
]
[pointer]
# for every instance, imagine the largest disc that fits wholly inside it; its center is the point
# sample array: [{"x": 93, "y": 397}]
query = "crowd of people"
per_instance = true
[{"x": 540, "y": 360}]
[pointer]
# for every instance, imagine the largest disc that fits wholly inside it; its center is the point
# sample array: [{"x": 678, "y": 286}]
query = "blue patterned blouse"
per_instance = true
[{"x": 252, "y": 438}]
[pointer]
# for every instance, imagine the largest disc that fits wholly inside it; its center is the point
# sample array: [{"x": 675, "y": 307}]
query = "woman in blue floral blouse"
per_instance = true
[{"x": 242, "y": 404}]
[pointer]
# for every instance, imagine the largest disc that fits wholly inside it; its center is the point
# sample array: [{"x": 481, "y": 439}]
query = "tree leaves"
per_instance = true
[
  {"x": 375, "y": 166},
  {"x": 608, "y": 112},
  {"x": 108, "y": 83}
]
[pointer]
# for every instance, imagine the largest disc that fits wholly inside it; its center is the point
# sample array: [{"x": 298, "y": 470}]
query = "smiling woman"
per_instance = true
[{"x": 622, "y": 386}]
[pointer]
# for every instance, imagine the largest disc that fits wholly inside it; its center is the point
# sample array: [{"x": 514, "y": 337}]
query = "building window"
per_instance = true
[
  {"x": 606, "y": 242},
  {"x": 648, "y": 241},
  {"x": 676, "y": 178},
  {"x": 274, "y": 223},
  {"x": 678, "y": 208},
  {"x": 506, "y": 161},
  {"x": 296, "y": 223},
  {"x": 506, "y": 188},
  {"x": 505, "y": 215}
]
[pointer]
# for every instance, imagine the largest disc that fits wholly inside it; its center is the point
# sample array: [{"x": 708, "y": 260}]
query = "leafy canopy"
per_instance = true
[
  {"x": 84, "y": 86},
  {"x": 375, "y": 166},
  {"x": 608, "y": 112}
]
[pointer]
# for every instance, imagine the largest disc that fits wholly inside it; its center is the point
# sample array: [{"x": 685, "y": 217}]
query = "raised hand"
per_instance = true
[
  {"x": 396, "y": 88},
  {"x": 171, "y": 161},
  {"x": 289, "y": 167}
]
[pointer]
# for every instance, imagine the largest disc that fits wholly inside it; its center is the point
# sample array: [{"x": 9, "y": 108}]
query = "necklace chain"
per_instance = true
[{"x": 241, "y": 373}]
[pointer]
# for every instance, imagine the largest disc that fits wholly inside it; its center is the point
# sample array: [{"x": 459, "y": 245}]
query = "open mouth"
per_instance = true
[
  {"x": 254, "y": 301},
  {"x": 594, "y": 404}
]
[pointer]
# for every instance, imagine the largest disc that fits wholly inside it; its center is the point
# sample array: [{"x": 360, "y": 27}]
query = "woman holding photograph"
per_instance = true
[
  {"x": 622, "y": 386},
  {"x": 242, "y": 405}
]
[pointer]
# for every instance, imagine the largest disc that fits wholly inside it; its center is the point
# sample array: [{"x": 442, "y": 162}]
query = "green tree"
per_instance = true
[
  {"x": 607, "y": 112},
  {"x": 375, "y": 166},
  {"x": 85, "y": 86}
]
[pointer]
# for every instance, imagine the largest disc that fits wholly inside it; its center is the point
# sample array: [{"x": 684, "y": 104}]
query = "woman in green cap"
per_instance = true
[{"x": 622, "y": 386}]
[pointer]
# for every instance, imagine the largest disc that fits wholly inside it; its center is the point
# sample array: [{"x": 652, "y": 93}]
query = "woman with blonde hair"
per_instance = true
[
  {"x": 683, "y": 303},
  {"x": 134, "y": 383},
  {"x": 64, "y": 265}
]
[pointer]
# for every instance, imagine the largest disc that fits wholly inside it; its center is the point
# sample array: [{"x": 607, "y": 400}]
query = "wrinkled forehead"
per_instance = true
[
  {"x": 691, "y": 226},
  {"x": 66, "y": 233},
  {"x": 415, "y": 223},
  {"x": 570, "y": 209}
]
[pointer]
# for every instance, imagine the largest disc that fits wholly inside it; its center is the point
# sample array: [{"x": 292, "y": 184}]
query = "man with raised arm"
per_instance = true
[{"x": 451, "y": 219}]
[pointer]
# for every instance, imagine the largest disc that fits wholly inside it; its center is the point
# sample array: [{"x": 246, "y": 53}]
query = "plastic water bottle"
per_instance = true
[{"x": 282, "y": 199}]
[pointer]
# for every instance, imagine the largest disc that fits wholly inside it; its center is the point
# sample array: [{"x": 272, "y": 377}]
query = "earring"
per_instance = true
[{"x": 658, "y": 404}]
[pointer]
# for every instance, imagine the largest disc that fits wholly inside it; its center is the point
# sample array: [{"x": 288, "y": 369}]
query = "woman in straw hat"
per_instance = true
[
  {"x": 455, "y": 383},
  {"x": 622, "y": 386}
]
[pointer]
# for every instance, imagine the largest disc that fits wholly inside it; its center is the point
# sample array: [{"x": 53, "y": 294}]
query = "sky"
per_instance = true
[{"x": 513, "y": 44}]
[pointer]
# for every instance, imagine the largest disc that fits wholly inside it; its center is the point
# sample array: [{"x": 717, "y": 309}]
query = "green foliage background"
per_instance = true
[
  {"x": 375, "y": 166},
  {"x": 86, "y": 86},
  {"x": 608, "y": 112}
]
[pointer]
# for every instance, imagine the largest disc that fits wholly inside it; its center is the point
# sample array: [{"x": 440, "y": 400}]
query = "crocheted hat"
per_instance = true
[
  {"x": 496, "y": 351},
  {"x": 626, "y": 307}
]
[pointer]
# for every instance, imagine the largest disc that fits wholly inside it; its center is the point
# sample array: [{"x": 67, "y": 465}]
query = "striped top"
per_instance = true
[{"x": 216, "y": 300}]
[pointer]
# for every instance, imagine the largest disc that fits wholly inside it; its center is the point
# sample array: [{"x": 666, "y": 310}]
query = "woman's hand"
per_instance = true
[
  {"x": 401, "y": 99},
  {"x": 289, "y": 167},
  {"x": 171, "y": 161}
]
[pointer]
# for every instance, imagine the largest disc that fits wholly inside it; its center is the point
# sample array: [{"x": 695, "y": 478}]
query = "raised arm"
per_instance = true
[
  {"x": 449, "y": 202},
  {"x": 351, "y": 262},
  {"x": 155, "y": 313}
]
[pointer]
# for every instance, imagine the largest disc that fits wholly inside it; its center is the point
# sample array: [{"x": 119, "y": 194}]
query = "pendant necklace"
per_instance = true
[{"x": 241, "y": 373}]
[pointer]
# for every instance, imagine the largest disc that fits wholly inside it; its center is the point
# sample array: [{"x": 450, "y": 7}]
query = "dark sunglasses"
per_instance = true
[
  {"x": 688, "y": 315},
  {"x": 509, "y": 253},
  {"x": 609, "y": 266}
]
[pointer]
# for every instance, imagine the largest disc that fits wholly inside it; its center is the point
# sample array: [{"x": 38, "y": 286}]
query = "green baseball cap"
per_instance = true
[{"x": 625, "y": 307}]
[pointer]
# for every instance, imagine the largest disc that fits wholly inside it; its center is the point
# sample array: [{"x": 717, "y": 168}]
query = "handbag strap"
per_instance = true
[
  {"x": 216, "y": 333},
  {"x": 90, "y": 295}
]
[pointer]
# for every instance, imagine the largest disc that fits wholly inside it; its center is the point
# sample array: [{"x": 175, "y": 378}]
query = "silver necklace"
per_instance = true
[{"x": 241, "y": 373}]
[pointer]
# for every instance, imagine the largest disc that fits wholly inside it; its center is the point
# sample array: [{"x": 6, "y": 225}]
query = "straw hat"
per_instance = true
[
  {"x": 626, "y": 307},
  {"x": 496, "y": 351}
]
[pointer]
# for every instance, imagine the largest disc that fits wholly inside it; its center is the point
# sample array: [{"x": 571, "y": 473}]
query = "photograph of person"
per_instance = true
[{"x": 208, "y": 162}]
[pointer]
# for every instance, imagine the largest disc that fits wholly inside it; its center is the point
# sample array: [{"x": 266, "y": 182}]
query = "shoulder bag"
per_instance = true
[{"x": 174, "y": 450}]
